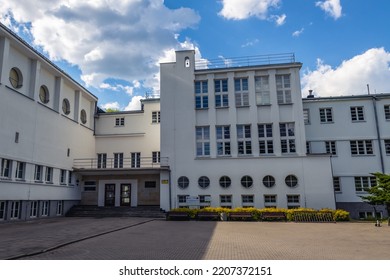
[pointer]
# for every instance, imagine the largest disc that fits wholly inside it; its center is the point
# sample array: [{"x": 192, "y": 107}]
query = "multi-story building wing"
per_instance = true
[
  {"x": 235, "y": 137},
  {"x": 46, "y": 120},
  {"x": 355, "y": 131},
  {"x": 125, "y": 169}
]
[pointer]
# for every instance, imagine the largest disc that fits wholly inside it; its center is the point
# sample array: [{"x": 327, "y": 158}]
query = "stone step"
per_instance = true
[{"x": 95, "y": 211}]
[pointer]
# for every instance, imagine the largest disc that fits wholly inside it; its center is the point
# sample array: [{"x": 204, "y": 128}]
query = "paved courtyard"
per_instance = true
[{"x": 151, "y": 239}]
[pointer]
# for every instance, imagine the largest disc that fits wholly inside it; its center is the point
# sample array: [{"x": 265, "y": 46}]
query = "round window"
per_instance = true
[
  {"x": 291, "y": 181},
  {"x": 246, "y": 181},
  {"x": 225, "y": 182},
  {"x": 15, "y": 78},
  {"x": 65, "y": 106},
  {"x": 183, "y": 182},
  {"x": 83, "y": 116},
  {"x": 269, "y": 181},
  {"x": 44, "y": 94},
  {"x": 204, "y": 182}
]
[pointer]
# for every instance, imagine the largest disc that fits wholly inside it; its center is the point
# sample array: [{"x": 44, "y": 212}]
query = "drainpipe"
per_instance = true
[{"x": 378, "y": 134}]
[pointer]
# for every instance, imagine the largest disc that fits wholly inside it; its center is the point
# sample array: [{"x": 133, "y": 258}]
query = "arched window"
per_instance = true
[{"x": 83, "y": 116}]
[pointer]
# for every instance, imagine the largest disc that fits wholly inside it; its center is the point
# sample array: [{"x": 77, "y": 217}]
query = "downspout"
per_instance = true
[{"x": 378, "y": 135}]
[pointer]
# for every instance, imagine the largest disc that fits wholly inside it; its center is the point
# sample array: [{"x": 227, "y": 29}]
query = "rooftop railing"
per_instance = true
[
  {"x": 125, "y": 163},
  {"x": 256, "y": 60}
]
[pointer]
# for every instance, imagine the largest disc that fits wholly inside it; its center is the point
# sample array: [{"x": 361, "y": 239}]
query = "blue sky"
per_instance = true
[{"x": 114, "y": 47}]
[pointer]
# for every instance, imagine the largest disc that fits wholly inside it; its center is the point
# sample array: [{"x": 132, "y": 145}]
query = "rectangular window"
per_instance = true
[
  {"x": 223, "y": 140},
  {"x": 182, "y": 198},
  {"x": 357, "y": 114},
  {"x": 202, "y": 141},
  {"x": 101, "y": 160},
  {"x": 34, "y": 209},
  {"x": 156, "y": 117},
  {"x": 119, "y": 121},
  {"x": 205, "y": 199},
  {"x": 90, "y": 186},
  {"x": 70, "y": 178},
  {"x": 269, "y": 198},
  {"x": 336, "y": 184},
  {"x": 248, "y": 199},
  {"x": 387, "y": 146},
  {"x": 308, "y": 147},
  {"x": 287, "y": 137},
  {"x": 293, "y": 199},
  {"x": 63, "y": 177},
  {"x": 5, "y": 168},
  {"x": 3, "y": 207},
  {"x": 135, "y": 160},
  {"x": 150, "y": 184},
  {"x": 262, "y": 90},
  {"x": 266, "y": 144},
  {"x": 118, "y": 160},
  {"x": 244, "y": 141},
  {"x": 201, "y": 95},
  {"x": 283, "y": 89},
  {"x": 361, "y": 147},
  {"x": 221, "y": 93},
  {"x": 20, "y": 170},
  {"x": 241, "y": 93},
  {"x": 49, "y": 175},
  {"x": 38, "y": 173},
  {"x": 15, "y": 210},
  {"x": 60, "y": 208},
  {"x": 387, "y": 112},
  {"x": 156, "y": 157},
  {"x": 225, "y": 199},
  {"x": 330, "y": 147},
  {"x": 45, "y": 208},
  {"x": 362, "y": 184},
  {"x": 326, "y": 115},
  {"x": 306, "y": 116}
]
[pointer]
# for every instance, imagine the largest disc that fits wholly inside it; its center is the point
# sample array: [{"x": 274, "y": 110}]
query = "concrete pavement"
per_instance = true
[{"x": 152, "y": 239}]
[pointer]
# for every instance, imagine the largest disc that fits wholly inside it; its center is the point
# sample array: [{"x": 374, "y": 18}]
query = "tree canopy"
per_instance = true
[{"x": 379, "y": 194}]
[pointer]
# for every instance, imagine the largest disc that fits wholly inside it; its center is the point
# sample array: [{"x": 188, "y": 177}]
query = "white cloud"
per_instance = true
[
  {"x": 352, "y": 76},
  {"x": 113, "y": 105},
  {"x": 118, "y": 87},
  {"x": 121, "y": 39},
  {"x": 134, "y": 104},
  {"x": 250, "y": 43},
  {"x": 331, "y": 7},
  {"x": 279, "y": 20},
  {"x": 243, "y": 9},
  {"x": 298, "y": 32}
]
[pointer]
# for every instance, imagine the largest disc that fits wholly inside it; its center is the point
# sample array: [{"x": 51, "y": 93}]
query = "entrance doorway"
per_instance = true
[
  {"x": 109, "y": 197},
  {"x": 125, "y": 194}
]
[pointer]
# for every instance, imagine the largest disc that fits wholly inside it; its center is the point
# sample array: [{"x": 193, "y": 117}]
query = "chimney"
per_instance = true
[{"x": 310, "y": 94}]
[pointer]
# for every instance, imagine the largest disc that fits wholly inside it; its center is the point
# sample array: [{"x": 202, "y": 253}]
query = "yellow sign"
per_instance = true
[{"x": 164, "y": 182}]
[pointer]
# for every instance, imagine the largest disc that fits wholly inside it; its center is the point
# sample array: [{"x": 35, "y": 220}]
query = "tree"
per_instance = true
[
  {"x": 111, "y": 110},
  {"x": 379, "y": 194}
]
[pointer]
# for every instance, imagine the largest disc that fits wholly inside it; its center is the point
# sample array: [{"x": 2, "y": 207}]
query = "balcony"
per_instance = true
[{"x": 112, "y": 164}]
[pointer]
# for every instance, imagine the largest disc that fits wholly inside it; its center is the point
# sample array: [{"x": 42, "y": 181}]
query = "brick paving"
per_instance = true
[{"x": 153, "y": 239}]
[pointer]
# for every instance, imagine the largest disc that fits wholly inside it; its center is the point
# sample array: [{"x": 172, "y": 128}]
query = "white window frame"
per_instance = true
[
  {"x": 156, "y": 117},
  {"x": 361, "y": 147},
  {"x": 201, "y": 94},
  {"x": 336, "y": 184},
  {"x": 330, "y": 147},
  {"x": 293, "y": 199},
  {"x": 20, "y": 170},
  {"x": 287, "y": 137},
  {"x": 244, "y": 139},
  {"x": 357, "y": 114},
  {"x": 387, "y": 112},
  {"x": 326, "y": 115},
  {"x": 3, "y": 210},
  {"x": 306, "y": 116},
  {"x": 118, "y": 160},
  {"x": 63, "y": 178},
  {"x": 223, "y": 140},
  {"x": 270, "y": 199},
  {"x": 202, "y": 135},
  {"x": 34, "y": 209},
  {"x": 102, "y": 160},
  {"x": 262, "y": 90},
  {"x": 120, "y": 121},
  {"x": 226, "y": 199},
  {"x": 221, "y": 93},
  {"x": 247, "y": 199},
  {"x": 387, "y": 146},
  {"x": 45, "y": 208},
  {"x": 266, "y": 142},
  {"x": 38, "y": 173},
  {"x": 60, "y": 208},
  {"x": 283, "y": 88},
  {"x": 5, "y": 168},
  {"x": 15, "y": 210},
  {"x": 362, "y": 183},
  {"x": 49, "y": 175},
  {"x": 135, "y": 160},
  {"x": 156, "y": 158},
  {"x": 241, "y": 92}
]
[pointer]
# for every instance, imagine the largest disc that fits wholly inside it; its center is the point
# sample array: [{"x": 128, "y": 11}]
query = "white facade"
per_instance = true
[
  {"x": 243, "y": 123},
  {"x": 46, "y": 120},
  {"x": 355, "y": 131}
]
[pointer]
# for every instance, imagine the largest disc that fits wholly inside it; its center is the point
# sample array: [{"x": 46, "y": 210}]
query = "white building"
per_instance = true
[
  {"x": 46, "y": 121},
  {"x": 355, "y": 130},
  {"x": 235, "y": 137}
]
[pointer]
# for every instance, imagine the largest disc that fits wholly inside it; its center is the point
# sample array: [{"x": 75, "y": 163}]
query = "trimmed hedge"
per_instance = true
[{"x": 338, "y": 214}]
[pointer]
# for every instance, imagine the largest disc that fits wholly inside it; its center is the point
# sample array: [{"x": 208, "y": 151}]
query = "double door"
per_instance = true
[{"x": 125, "y": 195}]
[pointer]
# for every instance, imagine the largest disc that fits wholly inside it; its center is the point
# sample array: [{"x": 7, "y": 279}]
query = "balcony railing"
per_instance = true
[
  {"x": 256, "y": 60},
  {"x": 125, "y": 163}
]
